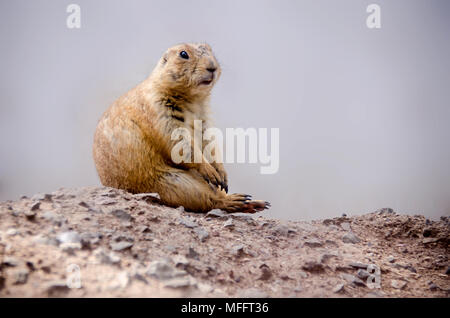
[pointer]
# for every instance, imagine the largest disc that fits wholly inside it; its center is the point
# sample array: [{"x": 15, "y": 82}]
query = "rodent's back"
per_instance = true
[{"x": 126, "y": 145}]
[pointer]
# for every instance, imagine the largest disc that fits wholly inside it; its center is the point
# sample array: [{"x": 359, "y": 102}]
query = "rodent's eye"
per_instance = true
[{"x": 184, "y": 55}]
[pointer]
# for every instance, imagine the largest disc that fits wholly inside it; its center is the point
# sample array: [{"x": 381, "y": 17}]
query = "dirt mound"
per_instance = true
[{"x": 100, "y": 242}]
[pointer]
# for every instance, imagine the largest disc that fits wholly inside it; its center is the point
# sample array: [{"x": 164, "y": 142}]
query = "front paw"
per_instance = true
[
  {"x": 223, "y": 175},
  {"x": 210, "y": 174}
]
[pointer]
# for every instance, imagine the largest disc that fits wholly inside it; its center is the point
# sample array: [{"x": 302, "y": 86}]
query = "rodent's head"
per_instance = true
[{"x": 190, "y": 68}]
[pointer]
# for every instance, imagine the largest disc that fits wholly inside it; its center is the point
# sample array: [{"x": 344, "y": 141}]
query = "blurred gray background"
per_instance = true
[{"x": 363, "y": 113}]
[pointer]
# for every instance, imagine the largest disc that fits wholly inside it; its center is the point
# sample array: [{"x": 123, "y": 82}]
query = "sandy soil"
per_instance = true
[{"x": 103, "y": 242}]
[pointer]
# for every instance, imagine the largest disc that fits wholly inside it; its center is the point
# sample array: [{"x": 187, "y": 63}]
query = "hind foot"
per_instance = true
[{"x": 242, "y": 203}]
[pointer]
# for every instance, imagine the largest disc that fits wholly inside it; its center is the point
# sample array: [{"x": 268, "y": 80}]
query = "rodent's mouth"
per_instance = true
[{"x": 206, "y": 82}]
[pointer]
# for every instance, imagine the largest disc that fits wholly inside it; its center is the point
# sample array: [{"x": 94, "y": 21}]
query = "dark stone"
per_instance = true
[
  {"x": 313, "y": 243},
  {"x": 238, "y": 250},
  {"x": 144, "y": 229},
  {"x": 58, "y": 287},
  {"x": 89, "y": 238},
  {"x": 427, "y": 232},
  {"x": 83, "y": 204},
  {"x": 122, "y": 215},
  {"x": 35, "y": 206},
  {"x": 30, "y": 215},
  {"x": 314, "y": 267},
  {"x": 192, "y": 254},
  {"x": 363, "y": 274},
  {"x": 359, "y": 265},
  {"x": 434, "y": 287},
  {"x": 266, "y": 273},
  {"x": 408, "y": 267},
  {"x": 122, "y": 237}
]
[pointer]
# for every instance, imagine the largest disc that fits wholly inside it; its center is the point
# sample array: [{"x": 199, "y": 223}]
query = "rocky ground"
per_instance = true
[{"x": 103, "y": 242}]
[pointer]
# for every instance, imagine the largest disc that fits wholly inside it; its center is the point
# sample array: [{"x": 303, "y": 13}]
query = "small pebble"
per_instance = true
[
  {"x": 391, "y": 259},
  {"x": 188, "y": 222},
  {"x": 229, "y": 223},
  {"x": 398, "y": 284},
  {"x": 35, "y": 206},
  {"x": 339, "y": 288}
]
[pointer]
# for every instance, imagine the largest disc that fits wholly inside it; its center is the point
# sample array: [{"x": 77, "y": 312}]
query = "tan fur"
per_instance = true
[{"x": 132, "y": 143}]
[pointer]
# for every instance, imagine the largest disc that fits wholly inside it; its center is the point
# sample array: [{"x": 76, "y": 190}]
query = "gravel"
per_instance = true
[{"x": 129, "y": 246}]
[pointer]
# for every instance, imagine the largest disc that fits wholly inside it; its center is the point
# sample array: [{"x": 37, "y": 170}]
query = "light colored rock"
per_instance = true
[
  {"x": 202, "y": 234},
  {"x": 217, "y": 213},
  {"x": 163, "y": 270},
  {"x": 339, "y": 288},
  {"x": 68, "y": 237},
  {"x": 180, "y": 282},
  {"x": 190, "y": 223},
  {"x": 398, "y": 284},
  {"x": 350, "y": 237},
  {"x": 430, "y": 240},
  {"x": 346, "y": 226},
  {"x": 120, "y": 281},
  {"x": 313, "y": 242},
  {"x": 11, "y": 232},
  {"x": 228, "y": 223},
  {"x": 281, "y": 229},
  {"x": 252, "y": 293},
  {"x": 120, "y": 246},
  {"x": 20, "y": 276},
  {"x": 10, "y": 261},
  {"x": 143, "y": 196}
]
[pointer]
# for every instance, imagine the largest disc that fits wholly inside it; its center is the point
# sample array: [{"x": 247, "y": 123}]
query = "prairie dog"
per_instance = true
[{"x": 132, "y": 143}]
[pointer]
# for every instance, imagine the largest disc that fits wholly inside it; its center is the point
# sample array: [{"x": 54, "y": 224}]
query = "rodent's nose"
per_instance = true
[{"x": 211, "y": 66}]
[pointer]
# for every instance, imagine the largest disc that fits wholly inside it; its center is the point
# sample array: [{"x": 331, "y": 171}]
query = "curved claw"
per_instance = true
[{"x": 224, "y": 186}]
